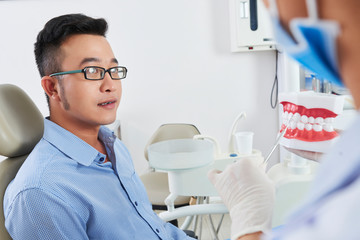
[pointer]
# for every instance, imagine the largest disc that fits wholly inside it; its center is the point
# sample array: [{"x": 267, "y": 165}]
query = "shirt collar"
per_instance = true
[
  {"x": 73, "y": 146},
  {"x": 106, "y": 135}
]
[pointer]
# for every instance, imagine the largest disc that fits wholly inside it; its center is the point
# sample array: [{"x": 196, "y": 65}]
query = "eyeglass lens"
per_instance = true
[{"x": 97, "y": 73}]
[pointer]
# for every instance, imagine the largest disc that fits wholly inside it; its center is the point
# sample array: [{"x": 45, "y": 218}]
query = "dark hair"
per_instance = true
[
  {"x": 47, "y": 47},
  {"x": 56, "y": 31}
]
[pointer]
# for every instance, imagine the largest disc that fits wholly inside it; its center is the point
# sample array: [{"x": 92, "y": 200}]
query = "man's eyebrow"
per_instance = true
[{"x": 86, "y": 60}]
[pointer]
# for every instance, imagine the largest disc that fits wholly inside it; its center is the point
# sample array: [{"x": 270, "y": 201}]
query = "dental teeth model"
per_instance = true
[{"x": 310, "y": 117}]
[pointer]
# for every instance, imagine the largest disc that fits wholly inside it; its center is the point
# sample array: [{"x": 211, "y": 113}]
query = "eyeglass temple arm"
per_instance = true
[{"x": 63, "y": 73}]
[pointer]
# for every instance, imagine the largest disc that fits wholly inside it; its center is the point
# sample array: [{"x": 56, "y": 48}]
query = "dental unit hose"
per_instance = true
[
  {"x": 233, "y": 130},
  {"x": 275, "y": 87}
]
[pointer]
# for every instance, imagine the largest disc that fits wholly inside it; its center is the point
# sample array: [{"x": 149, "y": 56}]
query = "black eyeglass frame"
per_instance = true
[{"x": 124, "y": 69}]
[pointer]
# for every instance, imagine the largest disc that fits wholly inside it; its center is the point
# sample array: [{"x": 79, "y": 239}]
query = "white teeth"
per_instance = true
[
  {"x": 319, "y": 120},
  {"x": 285, "y": 115},
  {"x": 328, "y": 127},
  {"x": 290, "y": 116},
  {"x": 300, "y": 125},
  {"x": 103, "y": 104},
  {"x": 296, "y": 117},
  {"x": 292, "y": 124},
  {"x": 329, "y": 120},
  {"x": 317, "y": 128},
  {"x": 311, "y": 120},
  {"x": 304, "y": 119},
  {"x": 302, "y": 122}
]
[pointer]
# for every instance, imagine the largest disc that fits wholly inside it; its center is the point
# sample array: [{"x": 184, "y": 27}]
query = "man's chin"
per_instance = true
[{"x": 108, "y": 121}]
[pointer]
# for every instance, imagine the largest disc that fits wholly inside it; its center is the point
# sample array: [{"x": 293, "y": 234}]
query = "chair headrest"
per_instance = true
[{"x": 21, "y": 122}]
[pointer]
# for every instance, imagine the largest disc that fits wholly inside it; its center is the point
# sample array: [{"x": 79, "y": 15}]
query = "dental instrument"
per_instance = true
[{"x": 276, "y": 143}]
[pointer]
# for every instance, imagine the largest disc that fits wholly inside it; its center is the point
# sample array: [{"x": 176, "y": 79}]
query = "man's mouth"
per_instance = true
[{"x": 106, "y": 103}]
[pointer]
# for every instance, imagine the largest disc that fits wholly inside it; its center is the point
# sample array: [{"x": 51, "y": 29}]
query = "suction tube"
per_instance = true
[{"x": 233, "y": 130}]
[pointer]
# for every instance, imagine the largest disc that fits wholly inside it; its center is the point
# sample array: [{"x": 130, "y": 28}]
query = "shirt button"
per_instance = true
[
  {"x": 136, "y": 203},
  {"x": 157, "y": 230},
  {"x": 101, "y": 159}
]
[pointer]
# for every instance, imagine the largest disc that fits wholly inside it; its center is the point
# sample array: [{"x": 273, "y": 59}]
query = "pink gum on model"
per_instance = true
[{"x": 312, "y": 116}]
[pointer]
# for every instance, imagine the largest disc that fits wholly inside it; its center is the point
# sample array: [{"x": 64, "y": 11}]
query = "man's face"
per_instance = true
[{"x": 83, "y": 101}]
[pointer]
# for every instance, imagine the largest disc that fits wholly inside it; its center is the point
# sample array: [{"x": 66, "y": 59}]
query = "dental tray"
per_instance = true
[{"x": 180, "y": 154}]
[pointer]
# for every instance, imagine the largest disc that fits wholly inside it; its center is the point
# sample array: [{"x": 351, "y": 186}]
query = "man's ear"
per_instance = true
[{"x": 51, "y": 86}]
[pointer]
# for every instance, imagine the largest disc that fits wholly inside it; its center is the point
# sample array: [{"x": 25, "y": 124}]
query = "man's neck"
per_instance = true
[{"x": 86, "y": 132}]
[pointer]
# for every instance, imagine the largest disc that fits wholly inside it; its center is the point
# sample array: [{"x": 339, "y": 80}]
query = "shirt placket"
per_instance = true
[{"x": 157, "y": 226}]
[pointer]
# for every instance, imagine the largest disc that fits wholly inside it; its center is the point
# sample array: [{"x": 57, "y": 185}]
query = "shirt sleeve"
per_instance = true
[{"x": 36, "y": 214}]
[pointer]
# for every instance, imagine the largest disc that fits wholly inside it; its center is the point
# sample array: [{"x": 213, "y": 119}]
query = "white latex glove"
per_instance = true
[{"x": 248, "y": 194}]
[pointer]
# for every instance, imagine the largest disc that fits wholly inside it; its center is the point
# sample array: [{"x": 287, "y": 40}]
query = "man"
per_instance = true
[
  {"x": 79, "y": 181},
  {"x": 322, "y": 36}
]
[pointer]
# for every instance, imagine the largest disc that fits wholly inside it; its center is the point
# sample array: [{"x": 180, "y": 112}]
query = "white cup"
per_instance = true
[{"x": 244, "y": 142}]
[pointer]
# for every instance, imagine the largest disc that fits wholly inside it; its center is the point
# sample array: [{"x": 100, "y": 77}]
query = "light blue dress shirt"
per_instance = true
[
  {"x": 332, "y": 208},
  {"x": 64, "y": 190}
]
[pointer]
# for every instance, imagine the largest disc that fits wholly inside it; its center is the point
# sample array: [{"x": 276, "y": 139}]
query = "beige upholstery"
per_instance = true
[
  {"x": 157, "y": 187},
  {"x": 156, "y": 183},
  {"x": 21, "y": 127}
]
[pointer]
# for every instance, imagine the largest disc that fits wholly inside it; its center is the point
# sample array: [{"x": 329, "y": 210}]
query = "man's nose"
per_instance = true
[{"x": 108, "y": 84}]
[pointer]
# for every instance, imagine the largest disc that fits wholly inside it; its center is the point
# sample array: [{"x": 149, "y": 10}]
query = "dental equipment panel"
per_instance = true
[
  {"x": 180, "y": 154},
  {"x": 250, "y": 26},
  {"x": 292, "y": 179},
  {"x": 313, "y": 115},
  {"x": 187, "y": 162}
]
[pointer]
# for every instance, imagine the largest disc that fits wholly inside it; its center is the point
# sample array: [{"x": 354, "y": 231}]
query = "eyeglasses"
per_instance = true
[{"x": 98, "y": 73}]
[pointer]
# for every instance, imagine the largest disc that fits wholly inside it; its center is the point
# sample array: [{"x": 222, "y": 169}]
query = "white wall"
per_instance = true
[{"x": 179, "y": 61}]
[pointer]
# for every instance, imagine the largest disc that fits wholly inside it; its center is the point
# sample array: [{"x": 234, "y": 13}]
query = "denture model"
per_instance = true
[{"x": 310, "y": 117}]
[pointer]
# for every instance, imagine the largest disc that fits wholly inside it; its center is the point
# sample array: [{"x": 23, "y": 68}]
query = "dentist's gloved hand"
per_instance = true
[{"x": 248, "y": 194}]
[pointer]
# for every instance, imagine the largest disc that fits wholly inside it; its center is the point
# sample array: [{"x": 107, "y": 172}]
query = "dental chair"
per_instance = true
[
  {"x": 156, "y": 183},
  {"x": 21, "y": 127}
]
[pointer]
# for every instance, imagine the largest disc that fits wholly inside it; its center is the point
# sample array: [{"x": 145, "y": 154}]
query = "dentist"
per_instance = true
[{"x": 321, "y": 35}]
